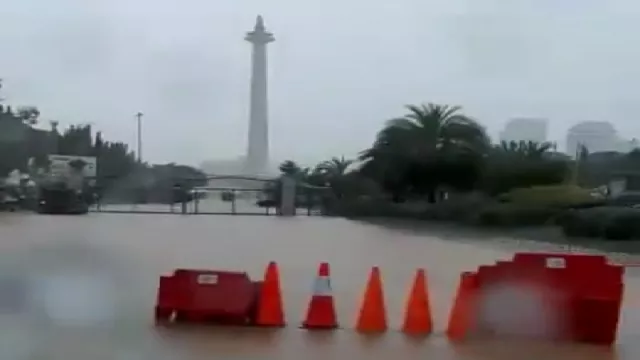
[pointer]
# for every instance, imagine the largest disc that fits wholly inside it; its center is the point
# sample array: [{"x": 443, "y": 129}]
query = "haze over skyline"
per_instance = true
[{"x": 337, "y": 72}]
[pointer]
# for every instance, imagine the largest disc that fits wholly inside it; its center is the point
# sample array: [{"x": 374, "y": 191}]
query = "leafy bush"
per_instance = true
[
  {"x": 619, "y": 228},
  {"x": 470, "y": 210},
  {"x": 583, "y": 223},
  {"x": 624, "y": 225},
  {"x": 369, "y": 207},
  {"x": 552, "y": 195},
  {"x": 624, "y": 199},
  {"x": 504, "y": 172},
  {"x": 609, "y": 222},
  {"x": 512, "y": 215},
  {"x": 460, "y": 207}
]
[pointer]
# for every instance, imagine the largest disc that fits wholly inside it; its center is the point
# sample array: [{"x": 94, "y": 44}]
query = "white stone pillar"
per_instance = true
[{"x": 287, "y": 196}]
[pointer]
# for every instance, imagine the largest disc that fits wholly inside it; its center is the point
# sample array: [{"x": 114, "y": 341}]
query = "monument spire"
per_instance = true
[{"x": 257, "y": 158}]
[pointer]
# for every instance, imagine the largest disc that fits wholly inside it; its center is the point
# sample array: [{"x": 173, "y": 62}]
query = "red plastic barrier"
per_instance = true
[
  {"x": 198, "y": 295},
  {"x": 507, "y": 282},
  {"x": 570, "y": 260},
  {"x": 589, "y": 275},
  {"x": 583, "y": 292}
]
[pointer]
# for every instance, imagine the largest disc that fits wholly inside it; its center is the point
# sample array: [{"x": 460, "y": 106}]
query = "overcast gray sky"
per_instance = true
[{"x": 338, "y": 69}]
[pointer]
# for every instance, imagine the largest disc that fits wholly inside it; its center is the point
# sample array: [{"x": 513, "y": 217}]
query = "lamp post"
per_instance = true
[{"x": 139, "y": 120}]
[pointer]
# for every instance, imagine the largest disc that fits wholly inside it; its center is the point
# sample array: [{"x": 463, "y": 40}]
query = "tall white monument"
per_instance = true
[{"x": 257, "y": 160}]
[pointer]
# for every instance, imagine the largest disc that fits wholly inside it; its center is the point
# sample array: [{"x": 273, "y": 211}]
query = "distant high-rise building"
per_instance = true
[
  {"x": 525, "y": 129},
  {"x": 596, "y": 136}
]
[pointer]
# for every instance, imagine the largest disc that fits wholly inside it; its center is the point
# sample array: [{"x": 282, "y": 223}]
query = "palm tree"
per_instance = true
[
  {"x": 427, "y": 134},
  {"x": 330, "y": 173},
  {"x": 429, "y": 130},
  {"x": 334, "y": 166},
  {"x": 291, "y": 168},
  {"x": 527, "y": 149},
  {"x": 303, "y": 173}
]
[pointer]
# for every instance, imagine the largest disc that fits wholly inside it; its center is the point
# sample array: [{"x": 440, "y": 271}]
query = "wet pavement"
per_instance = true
[{"x": 98, "y": 274}]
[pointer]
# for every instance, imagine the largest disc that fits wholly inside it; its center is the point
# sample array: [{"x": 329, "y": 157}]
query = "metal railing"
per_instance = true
[{"x": 214, "y": 201}]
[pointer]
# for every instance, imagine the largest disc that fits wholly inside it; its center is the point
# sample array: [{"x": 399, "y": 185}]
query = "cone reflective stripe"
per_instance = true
[
  {"x": 322, "y": 286},
  {"x": 321, "y": 313},
  {"x": 322, "y": 283}
]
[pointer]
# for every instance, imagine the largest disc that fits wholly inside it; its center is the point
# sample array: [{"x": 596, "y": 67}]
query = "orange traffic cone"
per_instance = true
[
  {"x": 321, "y": 314},
  {"x": 417, "y": 319},
  {"x": 462, "y": 311},
  {"x": 270, "y": 309},
  {"x": 372, "y": 317}
]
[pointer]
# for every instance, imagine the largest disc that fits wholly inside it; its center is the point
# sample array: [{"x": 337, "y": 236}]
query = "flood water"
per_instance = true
[{"x": 108, "y": 315}]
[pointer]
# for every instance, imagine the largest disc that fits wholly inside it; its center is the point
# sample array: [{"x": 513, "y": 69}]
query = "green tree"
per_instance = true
[
  {"x": 117, "y": 173},
  {"x": 524, "y": 149},
  {"x": 334, "y": 167},
  {"x": 333, "y": 173},
  {"x": 521, "y": 164},
  {"x": 427, "y": 131},
  {"x": 432, "y": 145},
  {"x": 28, "y": 114},
  {"x": 76, "y": 140},
  {"x": 291, "y": 168}
]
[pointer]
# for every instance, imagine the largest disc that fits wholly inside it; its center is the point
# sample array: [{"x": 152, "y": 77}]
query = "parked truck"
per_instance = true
[{"x": 62, "y": 196}]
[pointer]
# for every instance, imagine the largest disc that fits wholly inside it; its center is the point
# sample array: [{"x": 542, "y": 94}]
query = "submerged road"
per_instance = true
[{"x": 106, "y": 313}]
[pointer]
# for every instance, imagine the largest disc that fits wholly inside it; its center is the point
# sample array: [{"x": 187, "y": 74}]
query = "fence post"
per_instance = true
[{"x": 233, "y": 201}]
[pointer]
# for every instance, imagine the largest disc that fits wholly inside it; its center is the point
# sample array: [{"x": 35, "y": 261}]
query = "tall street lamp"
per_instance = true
[{"x": 139, "y": 119}]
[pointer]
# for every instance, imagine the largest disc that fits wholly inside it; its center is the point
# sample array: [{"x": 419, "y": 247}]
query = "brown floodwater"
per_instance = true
[{"x": 115, "y": 259}]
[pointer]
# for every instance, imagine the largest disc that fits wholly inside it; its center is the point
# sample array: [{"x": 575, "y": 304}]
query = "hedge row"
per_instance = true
[
  {"x": 608, "y": 222},
  {"x": 363, "y": 208},
  {"x": 480, "y": 213}
]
